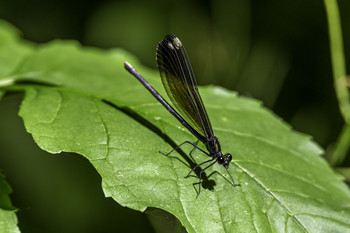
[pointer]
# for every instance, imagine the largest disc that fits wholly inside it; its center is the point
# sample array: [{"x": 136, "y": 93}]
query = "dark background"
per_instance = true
[{"x": 275, "y": 51}]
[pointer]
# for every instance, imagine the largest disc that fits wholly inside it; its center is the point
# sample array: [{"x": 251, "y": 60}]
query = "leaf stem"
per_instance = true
[
  {"x": 340, "y": 82},
  {"x": 341, "y": 147}
]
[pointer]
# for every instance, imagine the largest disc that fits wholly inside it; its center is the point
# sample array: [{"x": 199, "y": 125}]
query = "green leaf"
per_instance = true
[
  {"x": 8, "y": 219},
  {"x": 5, "y": 190},
  {"x": 12, "y": 49},
  {"x": 285, "y": 184},
  {"x": 89, "y": 70}
]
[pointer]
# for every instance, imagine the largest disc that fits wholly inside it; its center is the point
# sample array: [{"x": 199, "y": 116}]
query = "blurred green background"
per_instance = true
[{"x": 275, "y": 51}]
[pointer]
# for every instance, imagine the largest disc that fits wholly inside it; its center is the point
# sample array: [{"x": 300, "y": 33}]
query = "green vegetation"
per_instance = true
[{"x": 80, "y": 99}]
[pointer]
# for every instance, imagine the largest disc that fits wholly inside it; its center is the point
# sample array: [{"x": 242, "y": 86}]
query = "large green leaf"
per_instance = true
[
  {"x": 8, "y": 219},
  {"x": 285, "y": 184}
]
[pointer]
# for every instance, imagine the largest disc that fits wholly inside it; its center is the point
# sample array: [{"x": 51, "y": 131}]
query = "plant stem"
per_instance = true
[
  {"x": 340, "y": 83},
  {"x": 341, "y": 147}
]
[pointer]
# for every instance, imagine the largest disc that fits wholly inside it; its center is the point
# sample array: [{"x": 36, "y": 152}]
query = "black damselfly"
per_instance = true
[{"x": 181, "y": 86}]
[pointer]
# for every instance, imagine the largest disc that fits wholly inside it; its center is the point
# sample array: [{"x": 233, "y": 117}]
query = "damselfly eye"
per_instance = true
[{"x": 221, "y": 160}]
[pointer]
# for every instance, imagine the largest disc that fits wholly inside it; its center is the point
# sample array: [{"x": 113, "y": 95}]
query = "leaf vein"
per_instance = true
[
  {"x": 105, "y": 129},
  {"x": 288, "y": 174},
  {"x": 269, "y": 191},
  {"x": 292, "y": 151}
]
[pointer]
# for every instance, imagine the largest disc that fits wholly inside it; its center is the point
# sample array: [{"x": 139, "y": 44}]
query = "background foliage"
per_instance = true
[{"x": 277, "y": 52}]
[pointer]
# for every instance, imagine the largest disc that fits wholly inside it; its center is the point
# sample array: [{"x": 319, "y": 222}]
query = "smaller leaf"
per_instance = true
[
  {"x": 12, "y": 48},
  {"x": 8, "y": 219},
  {"x": 5, "y": 190}
]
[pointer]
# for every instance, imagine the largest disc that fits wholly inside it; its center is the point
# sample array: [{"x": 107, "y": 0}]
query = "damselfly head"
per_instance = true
[{"x": 225, "y": 160}]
